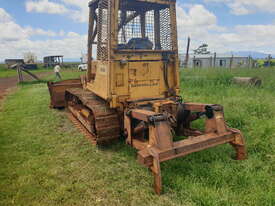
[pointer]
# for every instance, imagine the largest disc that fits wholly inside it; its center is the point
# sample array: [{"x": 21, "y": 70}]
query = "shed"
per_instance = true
[
  {"x": 10, "y": 62},
  {"x": 50, "y": 61},
  {"x": 217, "y": 61}
]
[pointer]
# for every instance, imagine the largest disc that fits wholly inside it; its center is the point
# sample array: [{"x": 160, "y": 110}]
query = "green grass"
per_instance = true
[
  {"x": 5, "y": 72},
  {"x": 65, "y": 74},
  {"x": 46, "y": 161},
  {"x": 262, "y": 61}
]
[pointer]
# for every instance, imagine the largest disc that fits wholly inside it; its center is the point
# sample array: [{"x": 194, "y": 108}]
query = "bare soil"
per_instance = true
[{"x": 10, "y": 83}]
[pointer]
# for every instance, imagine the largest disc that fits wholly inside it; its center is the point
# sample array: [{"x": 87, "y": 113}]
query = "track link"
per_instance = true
[
  {"x": 93, "y": 114},
  {"x": 81, "y": 128}
]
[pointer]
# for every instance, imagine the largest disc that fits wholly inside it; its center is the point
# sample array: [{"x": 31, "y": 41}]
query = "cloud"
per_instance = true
[
  {"x": 197, "y": 15},
  {"x": 69, "y": 47},
  {"x": 81, "y": 11},
  {"x": 15, "y": 40},
  {"x": 45, "y": 6},
  {"x": 256, "y": 36},
  {"x": 74, "y": 9},
  {"x": 73, "y": 34},
  {"x": 244, "y": 7},
  {"x": 40, "y": 32},
  {"x": 10, "y": 31},
  {"x": 194, "y": 20},
  {"x": 4, "y": 16},
  {"x": 202, "y": 25}
]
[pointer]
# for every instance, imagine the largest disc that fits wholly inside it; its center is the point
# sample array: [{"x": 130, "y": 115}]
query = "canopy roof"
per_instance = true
[{"x": 136, "y": 2}]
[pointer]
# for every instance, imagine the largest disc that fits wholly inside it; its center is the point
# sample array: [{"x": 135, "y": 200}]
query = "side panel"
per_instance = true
[
  {"x": 120, "y": 79},
  {"x": 144, "y": 79},
  {"x": 99, "y": 85},
  {"x": 141, "y": 79},
  {"x": 117, "y": 82}
]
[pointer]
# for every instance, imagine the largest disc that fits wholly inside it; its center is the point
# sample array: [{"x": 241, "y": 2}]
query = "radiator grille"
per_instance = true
[{"x": 103, "y": 14}]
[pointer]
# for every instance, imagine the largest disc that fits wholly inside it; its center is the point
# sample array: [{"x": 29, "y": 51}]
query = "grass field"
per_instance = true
[
  {"x": 5, "y": 72},
  {"x": 44, "y": 160},
  {"x": 261, "y": 62}
]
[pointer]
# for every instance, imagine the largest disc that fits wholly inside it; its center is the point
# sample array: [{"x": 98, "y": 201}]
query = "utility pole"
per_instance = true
[{"x": 187, "y": 52}]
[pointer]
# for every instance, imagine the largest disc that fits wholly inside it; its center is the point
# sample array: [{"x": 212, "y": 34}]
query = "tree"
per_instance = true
[
  {"x": 203, "y": 49},
  {"x": 30, "y": 58}
]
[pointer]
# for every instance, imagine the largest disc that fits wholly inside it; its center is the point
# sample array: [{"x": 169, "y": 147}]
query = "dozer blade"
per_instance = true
[{"x": 57, "y": 91}]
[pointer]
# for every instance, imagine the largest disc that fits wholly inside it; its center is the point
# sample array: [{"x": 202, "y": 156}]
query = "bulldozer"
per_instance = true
[{"x": 132, "y": 87}]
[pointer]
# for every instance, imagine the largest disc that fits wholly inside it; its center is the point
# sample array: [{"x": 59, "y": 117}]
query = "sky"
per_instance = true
[{"x": 50, "y": 27}]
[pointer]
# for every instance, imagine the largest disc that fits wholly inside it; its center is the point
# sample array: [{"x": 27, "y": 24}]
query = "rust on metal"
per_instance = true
[
  {"x": 94, "y": 114},
  {"x": 82, "y": 129},
  {"x": 133, "y": 87},
  {"x": 57, "y": 91},
  {"x": 160, "y": 146}
]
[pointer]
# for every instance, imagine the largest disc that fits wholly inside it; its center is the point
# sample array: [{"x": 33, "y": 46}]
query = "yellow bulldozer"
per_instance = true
[{"x": 132, "y": 87}]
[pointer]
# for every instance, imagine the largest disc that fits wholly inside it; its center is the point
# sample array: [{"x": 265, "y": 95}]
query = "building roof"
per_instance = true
[
  {"x": 207, "y": 56},
  {"x": 53, "y": 56},
  {"x": 14, "y": 59},
  {"x": 95, "y": 2}
]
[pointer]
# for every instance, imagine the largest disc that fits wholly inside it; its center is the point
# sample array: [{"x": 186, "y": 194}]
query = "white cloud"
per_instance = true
[
  {"x": 81, "y": 13},
  {"x": 197, "y": 15},
  {"x": 196, "y": 21},
  {"x": 10, "y": 31},
  {"x": 243, "y": 7},
  {"x": 256, "y": 36},
  {"x": 4, "y": 16},
  {"x": 74, "y": 9},
  {"x": 39, "y": 32},
  {"x": 15, "y": 40},
  {"x": 69, "y": 47},
  {"x": 202, "y": 25},
  {"x": 193, "y": 20},
  {"x": 45, "y": 6},
  {"x": 73, "y": 34}
]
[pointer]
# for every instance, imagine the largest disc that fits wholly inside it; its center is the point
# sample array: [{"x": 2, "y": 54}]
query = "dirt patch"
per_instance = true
[{"x": 10, "y": 83}]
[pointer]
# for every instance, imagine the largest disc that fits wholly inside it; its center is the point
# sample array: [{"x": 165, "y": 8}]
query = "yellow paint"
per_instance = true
[{"x": 134, "y": 74}]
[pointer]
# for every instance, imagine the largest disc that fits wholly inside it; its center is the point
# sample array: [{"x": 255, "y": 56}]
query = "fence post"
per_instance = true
[
  {"x": 249, "y": 62},
  {"x": 19, "y": 72},
  {"x": 231, "y": 61},
  {"x": 215, "y": 58},
  {"x": 269, "y": 60}
]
